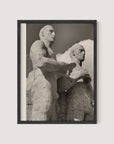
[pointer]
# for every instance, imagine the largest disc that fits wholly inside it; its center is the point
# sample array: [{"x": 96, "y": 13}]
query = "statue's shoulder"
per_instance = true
[{"x": 37, "y": 44}]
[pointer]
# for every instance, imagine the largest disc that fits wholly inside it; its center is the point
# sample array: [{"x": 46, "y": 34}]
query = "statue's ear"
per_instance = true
[
  {"x": 73, "y": 54},
  {"x": 42, "y": 34}
]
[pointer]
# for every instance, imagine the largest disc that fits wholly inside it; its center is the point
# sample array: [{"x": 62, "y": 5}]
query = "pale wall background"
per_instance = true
[{"x": 12, "y": 10}]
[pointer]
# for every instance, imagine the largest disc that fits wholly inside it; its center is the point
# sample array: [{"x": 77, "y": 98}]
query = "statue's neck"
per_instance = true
[
  {"x": 47, "y": 43},
  {"x": 77, "y": 62},
  {"x": 49, "y": 49}
]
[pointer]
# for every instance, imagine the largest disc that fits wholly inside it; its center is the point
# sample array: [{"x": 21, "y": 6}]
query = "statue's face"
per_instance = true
[
  {"x": 49, "y": 34},
  {"x": 79, "y": 53}
]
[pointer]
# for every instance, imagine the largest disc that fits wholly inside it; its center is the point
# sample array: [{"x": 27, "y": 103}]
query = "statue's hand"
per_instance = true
[
  {"x": 85, "y": 75},
  {"x": 80, "y": 73}
]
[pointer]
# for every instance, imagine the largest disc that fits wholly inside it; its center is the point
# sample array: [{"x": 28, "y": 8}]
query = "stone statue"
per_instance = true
[
  {"x": 42, "y": 81},
  {"x": 80, "y": 95}
]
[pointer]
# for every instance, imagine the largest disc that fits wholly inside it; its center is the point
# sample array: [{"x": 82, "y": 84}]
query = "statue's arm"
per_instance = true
[
  {"x": 80, "y": 74},
  {"x": 39, "y": 59},
  {"x": 65, "y": 82}
]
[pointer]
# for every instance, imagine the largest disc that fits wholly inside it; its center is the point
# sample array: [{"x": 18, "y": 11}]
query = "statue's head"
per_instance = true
[
  {"x": 47, "y": 33},
  {"x": 77, "y": 52}
]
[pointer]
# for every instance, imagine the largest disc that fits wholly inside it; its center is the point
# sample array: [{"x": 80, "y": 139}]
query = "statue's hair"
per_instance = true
[
  {"x": 42, "y": 31},
  {"x": 73, "y": 48}
]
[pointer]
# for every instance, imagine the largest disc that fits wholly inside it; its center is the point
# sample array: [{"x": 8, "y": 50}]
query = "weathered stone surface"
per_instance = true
[
  {"x": 61, "y": 107},
  {"x": 79, "y": 102}
]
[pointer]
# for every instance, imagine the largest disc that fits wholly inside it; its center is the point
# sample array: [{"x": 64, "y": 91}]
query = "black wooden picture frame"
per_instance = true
[{"x": 19, "y": 68}]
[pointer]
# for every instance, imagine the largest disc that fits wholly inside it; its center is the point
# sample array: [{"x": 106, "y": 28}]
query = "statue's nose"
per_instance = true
[{"x": 54, "y": 33}]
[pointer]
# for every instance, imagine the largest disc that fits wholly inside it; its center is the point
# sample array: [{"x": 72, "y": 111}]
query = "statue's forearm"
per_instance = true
[
  {"x": 65, "y": 83},
  {"x": 50, "y": 65}
]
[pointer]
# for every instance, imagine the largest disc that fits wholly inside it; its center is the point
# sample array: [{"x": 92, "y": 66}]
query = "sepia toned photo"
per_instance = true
[{"x": 57, "y": 65}]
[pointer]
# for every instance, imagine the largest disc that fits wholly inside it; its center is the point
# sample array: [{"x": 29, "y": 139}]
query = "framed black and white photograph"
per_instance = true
[{"x": 57, "y": 71}]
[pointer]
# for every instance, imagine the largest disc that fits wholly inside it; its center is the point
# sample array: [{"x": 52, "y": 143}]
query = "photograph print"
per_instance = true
[{"x": 57, "y": 76}]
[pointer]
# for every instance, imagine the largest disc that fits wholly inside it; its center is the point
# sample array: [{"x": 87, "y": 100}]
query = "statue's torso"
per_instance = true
[{"x": 43, "y": 80}]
